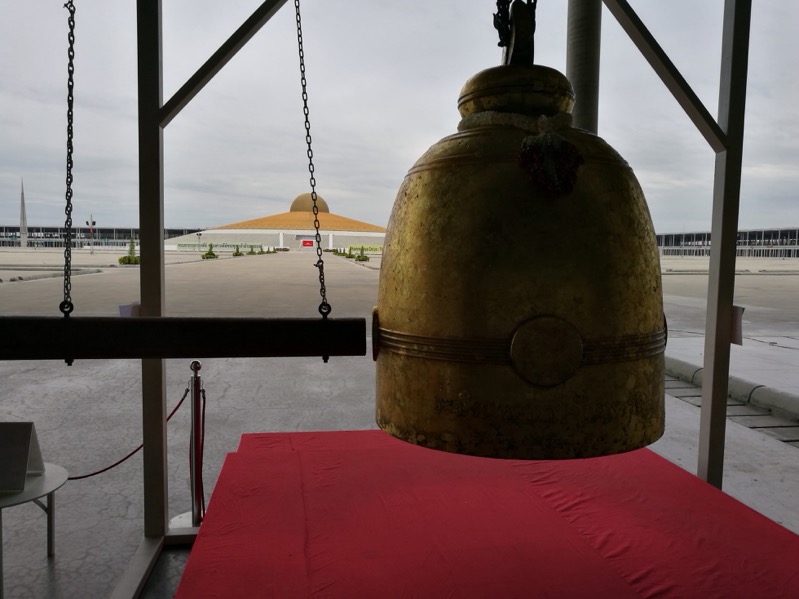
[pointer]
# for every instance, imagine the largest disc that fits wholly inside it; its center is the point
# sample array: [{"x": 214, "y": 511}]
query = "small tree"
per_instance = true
[
  {"x": 131, "y": 258},
  {"x": 210, "y": 253},
  {"x": 362, "y": 257},
  {"x": 237, "y": 252}
]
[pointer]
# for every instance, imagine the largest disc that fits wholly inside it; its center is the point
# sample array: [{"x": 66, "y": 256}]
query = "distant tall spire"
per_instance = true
[{"x": 23, "y": 219}]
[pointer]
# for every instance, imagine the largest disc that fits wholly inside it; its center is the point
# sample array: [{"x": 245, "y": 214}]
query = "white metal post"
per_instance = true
[
  {"x": 725, "y": 136},
  {"x": 196, "y": 446},
  {"x": 724, "y": 235},
  {"x": 151, "y": 231}
]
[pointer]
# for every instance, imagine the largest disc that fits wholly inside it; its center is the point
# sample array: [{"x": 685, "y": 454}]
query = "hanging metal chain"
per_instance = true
[
  {"x": 66, "y": 306},
  {"x": 324, "y": 307}
]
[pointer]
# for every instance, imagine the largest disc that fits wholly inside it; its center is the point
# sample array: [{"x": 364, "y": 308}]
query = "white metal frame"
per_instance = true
[
  {"x": 725, "y": 137},
  {"x": 154, "y": 115}
]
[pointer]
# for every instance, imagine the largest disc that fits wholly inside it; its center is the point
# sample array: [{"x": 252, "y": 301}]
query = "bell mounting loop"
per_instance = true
[
  {"x": 515, "y": 24},
  {"x": 502, "y": 22}
]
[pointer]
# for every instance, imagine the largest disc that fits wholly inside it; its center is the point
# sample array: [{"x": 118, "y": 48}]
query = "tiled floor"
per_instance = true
[{"x": 752, "y": 417}]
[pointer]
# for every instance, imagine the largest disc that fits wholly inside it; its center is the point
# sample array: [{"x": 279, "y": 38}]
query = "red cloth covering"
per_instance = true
[{"x": 356, "y": 515}]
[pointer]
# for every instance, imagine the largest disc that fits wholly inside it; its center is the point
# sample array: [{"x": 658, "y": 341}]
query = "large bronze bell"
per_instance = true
[{"x": 520, "y": 308}]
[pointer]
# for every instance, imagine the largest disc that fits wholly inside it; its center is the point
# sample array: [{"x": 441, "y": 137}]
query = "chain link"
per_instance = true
[
  {"x": 324, "y": 307},
  {"x": 66, "y": 306}
]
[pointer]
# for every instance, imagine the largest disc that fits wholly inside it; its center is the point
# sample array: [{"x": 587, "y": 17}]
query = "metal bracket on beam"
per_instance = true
[{"x": 668, "y": 73}]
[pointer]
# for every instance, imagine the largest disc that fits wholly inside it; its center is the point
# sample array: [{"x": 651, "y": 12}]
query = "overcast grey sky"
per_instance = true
[{"x": 383, "y": 81}]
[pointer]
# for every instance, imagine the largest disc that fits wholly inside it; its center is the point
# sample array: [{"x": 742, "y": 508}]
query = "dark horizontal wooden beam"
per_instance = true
[{"x": 59, "y": 338}]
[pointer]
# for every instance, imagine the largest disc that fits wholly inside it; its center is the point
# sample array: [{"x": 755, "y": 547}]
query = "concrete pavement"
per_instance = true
[{"x": 88, "y": 415}]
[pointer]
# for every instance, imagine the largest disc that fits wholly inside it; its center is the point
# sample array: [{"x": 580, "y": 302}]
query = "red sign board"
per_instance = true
[{"x": 307, "y": 243}]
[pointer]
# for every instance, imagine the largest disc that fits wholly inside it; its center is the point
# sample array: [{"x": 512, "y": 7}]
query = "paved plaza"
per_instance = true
[{"x": 88, "y": 415}]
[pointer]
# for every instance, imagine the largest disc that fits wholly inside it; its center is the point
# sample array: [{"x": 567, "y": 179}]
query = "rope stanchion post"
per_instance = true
[
  {"x": 196, "y": 445},
  {"x": 196, "y": 442}
]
